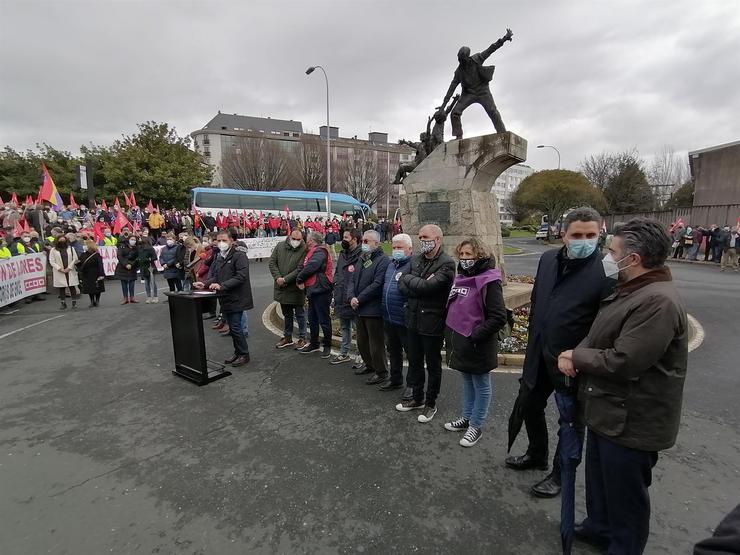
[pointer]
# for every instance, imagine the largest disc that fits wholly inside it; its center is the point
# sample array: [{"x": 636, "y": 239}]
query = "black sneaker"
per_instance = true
[
  {"x": 406, "y": 406},
  {"x": 339, "y": 359},
  {"x": 427, "y": 415},
  {"x": 459, "y": 425},
  {"x": 310, "y": 348},
  {"x": 471, "y": 437},
  {"x": 326, "y": 352}
]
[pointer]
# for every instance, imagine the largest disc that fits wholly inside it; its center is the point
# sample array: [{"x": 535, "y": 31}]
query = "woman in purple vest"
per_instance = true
[{"x": 475, "y": 314}]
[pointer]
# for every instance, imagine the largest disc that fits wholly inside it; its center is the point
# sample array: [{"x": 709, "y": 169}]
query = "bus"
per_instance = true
[{"x": 301, "y": 204}]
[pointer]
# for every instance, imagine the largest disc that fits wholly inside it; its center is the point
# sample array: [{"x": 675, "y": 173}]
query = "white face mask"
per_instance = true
[
  {"x": 295, "y": 243},
  {"x": 223, "y": 246},
  {"x": 170, "y": 243},
  {"x": 132, "y": 242},
  {"x": 611, "y": 266}
]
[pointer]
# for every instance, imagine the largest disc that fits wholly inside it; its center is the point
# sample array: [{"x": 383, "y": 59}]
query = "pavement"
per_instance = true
[{"x": 102, "y": 449}]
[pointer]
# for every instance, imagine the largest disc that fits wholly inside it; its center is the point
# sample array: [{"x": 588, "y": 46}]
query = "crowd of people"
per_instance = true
[
  {"x": 718, "y": 244},
  {"x": 608, "y": 336}
]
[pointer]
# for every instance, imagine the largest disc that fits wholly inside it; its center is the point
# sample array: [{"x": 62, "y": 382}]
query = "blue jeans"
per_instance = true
[
  {"x": 150, "y": 282},
  {"x": 346, "y": 325},
  {"x": 236, "y": 330},
  {"x": 127, "y": 287},
  {"x": 476, "y": 397},
  {"x": 245, "y": 323},
  {"x": 300, "y": 315}
]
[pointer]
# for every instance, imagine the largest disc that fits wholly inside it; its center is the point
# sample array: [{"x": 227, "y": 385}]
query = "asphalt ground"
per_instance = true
[{"x": 103, "y": 450}]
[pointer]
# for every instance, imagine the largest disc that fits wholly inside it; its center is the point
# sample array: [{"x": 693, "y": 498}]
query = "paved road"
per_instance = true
[{"x": 103, "y": 450}]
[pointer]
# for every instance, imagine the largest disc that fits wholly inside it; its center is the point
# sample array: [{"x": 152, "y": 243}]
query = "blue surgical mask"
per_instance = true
[
  {"x": 365, "y": 247},
  {"x": 398, "y": 254},
  {"x": 581, "y": 248}
]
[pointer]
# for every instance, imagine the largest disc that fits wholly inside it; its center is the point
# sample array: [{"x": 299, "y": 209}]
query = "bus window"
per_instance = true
[
  {"x": 217, "y": 200},
  {"x": 294, "y": 204},
  {"x": 338, "y": 206},
  {"x": 257, "y": 202}
]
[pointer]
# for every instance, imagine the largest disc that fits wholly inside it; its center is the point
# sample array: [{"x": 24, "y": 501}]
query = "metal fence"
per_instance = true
[{"x": 720, "y": 214}]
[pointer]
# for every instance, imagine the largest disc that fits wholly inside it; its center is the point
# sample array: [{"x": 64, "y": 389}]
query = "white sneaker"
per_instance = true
[
  {"x": 427, "y": 415},
  {"x": 155, "y": 300},
  {"x": 471, "y": 437},
  {"x": 148, "y": 300}
]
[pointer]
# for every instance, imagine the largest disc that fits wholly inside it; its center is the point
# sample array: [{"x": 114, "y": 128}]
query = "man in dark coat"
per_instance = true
[
  {"x": 229, "y": 276},
  {"x": 285, "y": 259},
  {"x": 365, "y": 292},
  {"x": 426, "y": 287},
  {"x": 343, "y": 275},
  {"x": 632, "y": 368},
  {"x": 474, "y": 78},
  {"x": 568, "y": 288}
]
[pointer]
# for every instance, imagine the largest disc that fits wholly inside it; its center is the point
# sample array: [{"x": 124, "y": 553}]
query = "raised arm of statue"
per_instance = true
[
  {"x": 452, "y": 104},
  {"x": 482, "y": 56},
  {"x": 453, "y": 85}
]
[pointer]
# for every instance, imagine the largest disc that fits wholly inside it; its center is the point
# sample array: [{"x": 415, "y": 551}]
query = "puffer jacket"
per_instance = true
[
  {"x": 345, "y": 272},
  {"x": 426, "y": 287},
  {"x": 127, "y": 256},
  {"x": 393, "y": 300}
]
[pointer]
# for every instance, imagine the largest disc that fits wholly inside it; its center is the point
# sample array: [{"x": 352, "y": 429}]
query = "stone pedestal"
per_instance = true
[{"x": 452, "y": 188}]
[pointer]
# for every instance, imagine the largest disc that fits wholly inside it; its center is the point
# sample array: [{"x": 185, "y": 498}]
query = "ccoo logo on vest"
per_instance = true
[{"x": 457, "y": 290}]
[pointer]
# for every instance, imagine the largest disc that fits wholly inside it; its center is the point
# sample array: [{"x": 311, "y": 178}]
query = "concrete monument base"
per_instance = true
[{"x": 453, "y": 188}]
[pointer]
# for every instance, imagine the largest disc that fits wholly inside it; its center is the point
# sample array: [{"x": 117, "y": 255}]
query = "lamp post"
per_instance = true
[
  {"x": 555, "y": 149},
  {"x": 309, "y": 71}
]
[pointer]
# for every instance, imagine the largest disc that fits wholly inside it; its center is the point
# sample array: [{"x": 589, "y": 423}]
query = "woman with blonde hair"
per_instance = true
[
  {"x": 475, "y": 314},
  {"x": 193, "y": 259},
  {"x": 92, "y": 273},
  {"x": 62, "y": 259}
]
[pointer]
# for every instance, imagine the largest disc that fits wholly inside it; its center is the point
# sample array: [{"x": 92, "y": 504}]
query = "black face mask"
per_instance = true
[
  {"x": 62, "y": 244},
  {"x": 345, "y": 245}
]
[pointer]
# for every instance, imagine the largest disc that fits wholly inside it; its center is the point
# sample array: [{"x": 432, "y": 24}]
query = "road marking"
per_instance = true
[
  {"x": 10, "y": 312},
  {"x": 30, "y": 326}
]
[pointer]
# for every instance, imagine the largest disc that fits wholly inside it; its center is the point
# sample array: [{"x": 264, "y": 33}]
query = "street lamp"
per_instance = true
[
  {"x": 309, "y": 71},
  {"x": 555, "y": 149}
]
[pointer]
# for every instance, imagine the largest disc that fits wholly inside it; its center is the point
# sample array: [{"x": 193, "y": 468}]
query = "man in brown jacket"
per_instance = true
[{"x": 632, "y": 367}]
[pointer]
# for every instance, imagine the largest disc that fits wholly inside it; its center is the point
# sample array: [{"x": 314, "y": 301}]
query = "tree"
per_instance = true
[
  {"x": 22, "y": 173},
  {"x": 627, "y": 190},
  {"x": 554, "y": 192},
  {"x": 309, "y": 163},
  {"x": 518, "y": 212},
  {"x": 683, "y": 197},
  {"x": 668, "y": 171},
  {"x": 254, "y": 163},
  {"x": 155, "y": 162},
  {"x": 359, "y": 177},
  {"x": 599, "y": 169}
]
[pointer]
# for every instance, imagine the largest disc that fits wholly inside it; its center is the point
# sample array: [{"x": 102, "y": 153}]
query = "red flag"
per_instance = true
[
  {"x": 17, "y": 229},
  {"x": 117, "y": 204},
  {"x": 126, "y": 200},
  {"x": 104, "y": 206},
  {"x": 675, "y": 224},
  {"x": 98, "y": 231},
  {"x": 72, "y": 203},
  {"x": 133, "y": 198},
  {"x": 38, "y": 196},
  {"x": 48, "y": 189},
  {"x": 137, "y": 225},
  {"x": 29, "y": 200},
  {"x": 120, "y": 223},
  {"x": 14, "y": 199},
  {"x": 150, "y": 206},
  {"x": 26, "y": 227}
]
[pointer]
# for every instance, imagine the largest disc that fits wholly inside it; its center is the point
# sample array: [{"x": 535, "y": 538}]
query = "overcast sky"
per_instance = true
[{"x": 584, "y": 76}]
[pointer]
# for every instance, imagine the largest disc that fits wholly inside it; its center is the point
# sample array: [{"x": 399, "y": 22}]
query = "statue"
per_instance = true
[
  {"x": 437, "y": 133},
  {"x": 405, "y": 168},
  {"x": 474, "y": 78}
]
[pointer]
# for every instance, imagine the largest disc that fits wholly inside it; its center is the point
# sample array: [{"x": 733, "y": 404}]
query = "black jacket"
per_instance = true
[
  {"x": 726, "y": 537},
  {"x": 478, "y": 354},
  {"x": 343, "y": 274},
  {"x": 89, "y": 269},
  {"x": 315, "y": 265},
  {"x": 427, "y": 286},
  {"x": 127, "y": 256},
  {"x": 232, "y": 274},
  {"x": 367, "y": 284},
  {"x": 565, "y": 301}
]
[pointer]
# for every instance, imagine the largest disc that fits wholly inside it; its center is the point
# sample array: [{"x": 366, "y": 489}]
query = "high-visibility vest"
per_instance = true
[
  {"x": 17, "y": 248},
  {"x": 5, "y": 253},
  {"x": 110, "y": 241}
]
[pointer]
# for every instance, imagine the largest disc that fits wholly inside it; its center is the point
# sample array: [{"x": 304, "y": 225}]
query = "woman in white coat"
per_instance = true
[{"x": 62, "y": 259}]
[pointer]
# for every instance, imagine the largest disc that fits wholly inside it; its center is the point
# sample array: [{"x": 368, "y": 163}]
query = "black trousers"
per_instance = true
[
  {"x": 395, "y": 343},
  {"x": 617, "y": 498},
  {"x": 319, "y": 317},
  {"x": 371, "y": 344},
  {"x": 535, "y": 421},
  {"x": 421, "y": 349}
]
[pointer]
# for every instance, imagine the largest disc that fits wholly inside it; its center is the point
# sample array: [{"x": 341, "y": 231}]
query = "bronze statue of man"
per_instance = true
[{"x": 474, "y": 78}]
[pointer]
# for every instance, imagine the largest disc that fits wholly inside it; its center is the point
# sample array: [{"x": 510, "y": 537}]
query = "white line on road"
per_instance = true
[
  {"x": 9, "y": 312},
  {"x": 30, "y": 326}
]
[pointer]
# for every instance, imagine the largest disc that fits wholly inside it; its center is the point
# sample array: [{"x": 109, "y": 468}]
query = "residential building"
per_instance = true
[
  {"x": 504, "y": 187},
  {"x": 225, "y": 133}
]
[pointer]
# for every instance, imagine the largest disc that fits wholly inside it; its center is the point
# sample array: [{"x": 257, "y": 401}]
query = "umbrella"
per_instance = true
[
  {"x": 570, "y": 445},
  {"x": 516, "y": 419}
]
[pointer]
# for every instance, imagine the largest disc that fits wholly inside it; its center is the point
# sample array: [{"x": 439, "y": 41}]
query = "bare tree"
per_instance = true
[
  {"x": 309, "y": 163},
  {"x": 600, "y": 169},
  {"x": 254, "y": 163},
  {"x": 359, "y": 177}
]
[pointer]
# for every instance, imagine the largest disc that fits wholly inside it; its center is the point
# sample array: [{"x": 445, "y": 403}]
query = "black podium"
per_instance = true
[{"x": 188, "y": 341}]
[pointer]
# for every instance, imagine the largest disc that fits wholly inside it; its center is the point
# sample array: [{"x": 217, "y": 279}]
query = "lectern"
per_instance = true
[{"x": 188, "y": 340}]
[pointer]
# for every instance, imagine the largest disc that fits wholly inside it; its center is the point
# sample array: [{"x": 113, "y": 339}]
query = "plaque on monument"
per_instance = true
[{"x": 434, "y": 212}]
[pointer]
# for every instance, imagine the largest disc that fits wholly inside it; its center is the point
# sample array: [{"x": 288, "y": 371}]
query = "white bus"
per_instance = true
[{"x": 301, "y": 204}]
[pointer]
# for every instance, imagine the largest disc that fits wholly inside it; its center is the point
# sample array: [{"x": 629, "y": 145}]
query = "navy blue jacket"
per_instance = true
[
  {"x": 565, "y": 300},
  {"x": 368, "y": 283},
  {"x": 343, "y": 275},
  {"x": 393, "y": 300}
]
